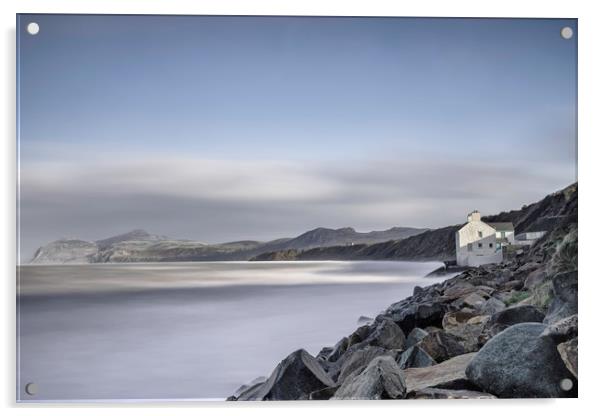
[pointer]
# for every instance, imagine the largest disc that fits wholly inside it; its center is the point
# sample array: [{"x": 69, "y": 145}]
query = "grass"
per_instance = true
[{"x": 517, "y": 297}]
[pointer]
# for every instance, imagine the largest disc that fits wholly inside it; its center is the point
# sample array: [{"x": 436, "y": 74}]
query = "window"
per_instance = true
[
  {"x": 480, "y": 234},
  {"x": 480, "y": 245},
  {"x": 469, "y": 246},
  {"x": 503, "y": 234},
  {"x": 490, "y": 245}
]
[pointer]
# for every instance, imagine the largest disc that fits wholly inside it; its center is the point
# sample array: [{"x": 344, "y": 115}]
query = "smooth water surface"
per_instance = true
[{"x": 188, "y": 330}]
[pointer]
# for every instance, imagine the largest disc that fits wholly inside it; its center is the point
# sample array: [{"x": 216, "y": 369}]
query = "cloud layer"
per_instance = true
[{"x": 222, "y": 200}]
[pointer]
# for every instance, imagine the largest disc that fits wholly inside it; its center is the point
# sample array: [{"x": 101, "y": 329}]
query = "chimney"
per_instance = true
[{"x": 474, "y": 216}]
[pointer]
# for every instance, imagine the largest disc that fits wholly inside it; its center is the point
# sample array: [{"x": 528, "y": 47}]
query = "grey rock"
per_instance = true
[
  {"x": 294, "y": 378},
  {"x": 364, "y": 320},
  {"x": 382, "y": 379},
  {"x": 466, "y": 326},
  {"x": 535, "y": 278},
  {"x": 568, "y": 352},
  {"x": 415, "y": 357},
  {"x": 360, "y": 359},
  {"x": 514, "y": 315},
  {"x": 564, "y": 303},
  {"x": 339, "y": 349},
  {"x": 448, "y": 374},
  {"x": 323, "y": 394},
  {"x": 415, "y": 336},
  {"x": 421, "y": 315},
  {"x": 491, "y": 306},
  {"x": 519, "y": 363},
  {"x": 562, "y": 330},
  {"x": 386, "y": 334},
  {"x": 441, "y": 346}
]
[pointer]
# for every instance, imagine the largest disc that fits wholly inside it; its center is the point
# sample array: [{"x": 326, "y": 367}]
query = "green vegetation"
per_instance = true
[{"x": 517, "y": 297}]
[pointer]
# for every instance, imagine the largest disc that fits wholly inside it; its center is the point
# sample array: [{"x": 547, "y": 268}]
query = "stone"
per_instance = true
[
  {"x": 568, "y": 352},
  {"x": 360, "y": 334},
  {"x": 466, "y": 326},
  {"x": 382, "y": 379},
  {"x": 513, "y": 285},
  {"x": 294, "y": 378},
  {"x": 323, "y": 394},
  {"x": 364, "y": 320},
  {"x": 421, "y": 315},
  {"x": 564, "y": 303},
  {"x": 359, "y": 360},
  {"x": 491, "y": 306},
  {"x": 562, "y": 330},
  {"x": 415, "y": 336},
  {"x": 535, "y": 278},
  {"x": 386, "y": 334},
  {"x": 518, "y": 363},
  {"x": 339, "y": 349},
  {"x": 441, "y": 346},
  {"x": 247, "y": 390},
  {"x": 459, "y": 289},
  {"x": 473, "y": 300},
  {"x": 510, "y": 316},
  {"x": 415, "y": 357},
  {"x": 448, "y": 374},
  {"x": 432, "y": 393}
]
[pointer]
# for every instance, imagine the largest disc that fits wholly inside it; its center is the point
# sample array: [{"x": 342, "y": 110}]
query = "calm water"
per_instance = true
[{"x": 188, "y": 330}]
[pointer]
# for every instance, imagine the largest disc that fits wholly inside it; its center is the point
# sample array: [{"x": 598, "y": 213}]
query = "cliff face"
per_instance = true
[{"x": 439, "y": 244}]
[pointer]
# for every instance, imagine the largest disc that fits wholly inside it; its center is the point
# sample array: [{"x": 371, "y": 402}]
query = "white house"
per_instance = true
[
  {"x": 480, "y": 243},
  {"x": 504, "y": 233}
]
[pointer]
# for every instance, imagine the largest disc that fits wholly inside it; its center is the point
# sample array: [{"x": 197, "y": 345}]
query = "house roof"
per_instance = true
[{"x": 502, "y": 226}]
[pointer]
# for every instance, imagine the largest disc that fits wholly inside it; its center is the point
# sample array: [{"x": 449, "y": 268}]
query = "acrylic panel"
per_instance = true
[{"x": 296, "y": 208}]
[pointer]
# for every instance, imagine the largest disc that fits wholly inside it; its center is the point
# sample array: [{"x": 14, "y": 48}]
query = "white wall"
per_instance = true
[{"x": 476, "y": 233}]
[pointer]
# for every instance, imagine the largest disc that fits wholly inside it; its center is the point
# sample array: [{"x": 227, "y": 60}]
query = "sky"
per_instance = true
[{"x": 226, "y": 128}]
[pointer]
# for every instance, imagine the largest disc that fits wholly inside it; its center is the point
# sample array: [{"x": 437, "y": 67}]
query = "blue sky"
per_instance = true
[{"x": 453, "y": 113}]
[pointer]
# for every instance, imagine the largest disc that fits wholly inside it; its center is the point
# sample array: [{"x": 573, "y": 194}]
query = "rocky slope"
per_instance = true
[
  {"x": 439, "y": 244},
  {"x": 498, "y": 331},
  {"x": 141, "y": 246}
]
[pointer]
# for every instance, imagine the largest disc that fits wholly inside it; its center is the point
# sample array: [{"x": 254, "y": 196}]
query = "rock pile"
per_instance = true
[{"x": 506, "y": 330}]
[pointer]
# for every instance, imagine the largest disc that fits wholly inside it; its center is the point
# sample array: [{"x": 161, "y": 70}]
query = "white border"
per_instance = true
[{"x": 590, "y": 68}]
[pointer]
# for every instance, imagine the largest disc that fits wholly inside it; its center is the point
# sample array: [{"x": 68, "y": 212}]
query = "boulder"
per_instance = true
[
  {"x": 568, "y": 352},
  {"x": 415, "y": 357},
  {"x": 339, "y": 349},
  {"x": 519, "y": 363},
  {"x": 386, "y": 334},
  {"x": 514, "y": 315},
  {"x": 441, "y": 346},
  {"x": 473, "y": 301},
  {"x": 491, "y": 306},
  {"x": 459, "y": 289},
  {"x": 364, "y": 320},
  {"x": 562, "y": 330},
  {"x": 294, "y": 378},
  {"x": 432, "y": 393},
  {"x": 448, "y": 374},
  {"x": 421, "y": 315},
  {"x": 247, "y": 390},
  {"x": 535, "y": 278},
  {"x": 360, "y": 360},
  {"x": 415, "y": 336},
  {"x": 323, "y": 394},
  {"x": 382, "y": 379},
  {"x": 564, "y": 303},
  {"x": 466, "y": 326},
  {"x": 359, "y": 335}
]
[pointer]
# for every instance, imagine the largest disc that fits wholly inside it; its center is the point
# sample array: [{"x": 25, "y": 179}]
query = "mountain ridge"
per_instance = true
[{"x": 141, "y": 246}]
